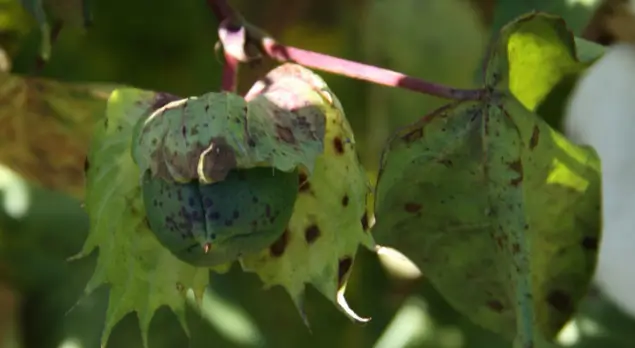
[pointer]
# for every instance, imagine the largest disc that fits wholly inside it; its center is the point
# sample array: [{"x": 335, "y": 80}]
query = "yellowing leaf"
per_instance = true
[
  {"x": 45, "y": 128},
  {"x": 142, "y": 275},
  {"x": 485, "y": 195},
  {"x": 539, "y": 59},
  {"x": 329, "y": 220}
]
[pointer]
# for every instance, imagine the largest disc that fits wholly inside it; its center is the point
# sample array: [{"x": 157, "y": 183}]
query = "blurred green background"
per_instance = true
[{"x": 168, "y": 45}]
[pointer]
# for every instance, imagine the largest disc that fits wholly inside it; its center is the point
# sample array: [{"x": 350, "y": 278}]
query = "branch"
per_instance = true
[
  {"x": 222, "y": 10},
  {"x": 237, "y": 41},
  {"x": 364, "y": 72},
  {"x": 230, "y": 74}
]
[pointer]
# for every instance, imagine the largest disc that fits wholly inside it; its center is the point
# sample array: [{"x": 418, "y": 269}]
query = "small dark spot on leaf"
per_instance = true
[
  {"x": 345, "y": 200},
  {"x": 495, "y": 305},
  {"x": 412, "y": 207},
  {"x": 342, "y": 269},
  {"x": 286, "y": 134},
  {"x": 560, "y": 301},
  {"x": 517, "y": 167},
  {"x": 535, "y": 135},
  {"x": 446, "y": 162},
  {"x": 413, "y": 135},
  {"x": 515, "y": 248},
  {"x": 590, "y": 243},
  {"x": 364, "y": 221},
  {"x": 338, "y": 145},
  {"x": 303, "y": 183},
  {"x": 311, "y": 233},
  {"x": 146, "y": 222},
  {"x": 86, "y": 165},
  {"x": 277, "y": 248}
]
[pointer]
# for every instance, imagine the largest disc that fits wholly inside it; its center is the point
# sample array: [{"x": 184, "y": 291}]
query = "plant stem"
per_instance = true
[
  {"x": 222, "y": 10},
  {"x": 339, "y": 66},
  {"x": 364, "y": 72},
  {"x": 230, "y": 74}
]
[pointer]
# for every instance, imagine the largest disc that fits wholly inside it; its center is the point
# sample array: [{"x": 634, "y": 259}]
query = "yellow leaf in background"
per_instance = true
[{"x": 45, "y": 129}]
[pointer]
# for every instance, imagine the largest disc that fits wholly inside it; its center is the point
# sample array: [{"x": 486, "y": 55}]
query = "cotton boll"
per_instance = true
[{"x": 601, "y": 113}]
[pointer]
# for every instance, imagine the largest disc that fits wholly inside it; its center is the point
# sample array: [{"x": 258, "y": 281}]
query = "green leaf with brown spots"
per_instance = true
[
  {"x": 203, "y": 138},
  {"x": 540, "y": 60},
  {"x": 142, "y": 274},
  {"x": 483, "y": 195},
  {"x": 329, "y": 219},
  {"x": 212, "y": 225},
  {"x": 220, "y": 174}
]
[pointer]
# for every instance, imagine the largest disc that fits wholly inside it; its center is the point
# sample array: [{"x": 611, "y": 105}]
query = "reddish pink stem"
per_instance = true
[
  {"x": 365, "y": 72},
  {"x": 221, "y": 9},
  {"x": 230, "y": 74},
  {"x": 331, "y": 64}
]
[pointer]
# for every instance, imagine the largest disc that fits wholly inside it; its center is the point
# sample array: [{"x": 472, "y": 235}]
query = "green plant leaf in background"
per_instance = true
[
  {"x": 541, "y": 60},
  {"x": 406, "y": 38},
  {"x": 463, "y": 191},
  {"x": 329, "y": 220},
  {"x": 39, "y": 229},
  {"x": 60, "y": 12},
  {"x": 576, "y": 13},
  {"x": 143, "y": 275},
  {"x": 51, "y": 154}
]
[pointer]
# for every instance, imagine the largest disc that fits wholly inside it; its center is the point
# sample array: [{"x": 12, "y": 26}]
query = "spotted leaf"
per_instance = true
[
  {"x": 329, "y": 219},
  {"x": 142, "y": 275}
]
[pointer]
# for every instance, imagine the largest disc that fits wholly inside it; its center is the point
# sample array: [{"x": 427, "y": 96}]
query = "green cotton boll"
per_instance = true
[
  {"x": 214, "y": 224},
  {"x": 194, "y": 138}
]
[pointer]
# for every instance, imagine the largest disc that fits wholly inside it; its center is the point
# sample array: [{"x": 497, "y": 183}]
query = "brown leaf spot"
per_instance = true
[
  {"x": 277, "y": 248},
  {"x": 412, "y": 207},
  {"x": 495, "y": 305},
  {"x": 590, "y": 243},
  {"x": 560, "y": 301},
  {"x": 286, "y": 134},
  {"x": 146, "y": 222},
  {"x": 343, "y": 267},
  {"x": 501, "y": 241},
  {"x": 535, "y": 135},
  {"x": 364, "y": 221},
  {"x": 413, "y": 135},
  {"x": 446, "y": 162},
  {"x": 517, "y": 167},
  {"x": 218, "y": 160},
  {"x": 86, "y": 165},
  {"x": 338, "y": 145},
  {"x": 194, "y": 130},
  {"x": 303, "y": 183},
  {"x": 515, "y": 248},
  {"x": 345, "y": 201},
  {"x": 311, "y": 233}
]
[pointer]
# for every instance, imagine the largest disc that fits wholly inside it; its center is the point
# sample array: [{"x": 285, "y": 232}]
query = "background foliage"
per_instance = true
[{"x": 169, "y": 46}]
